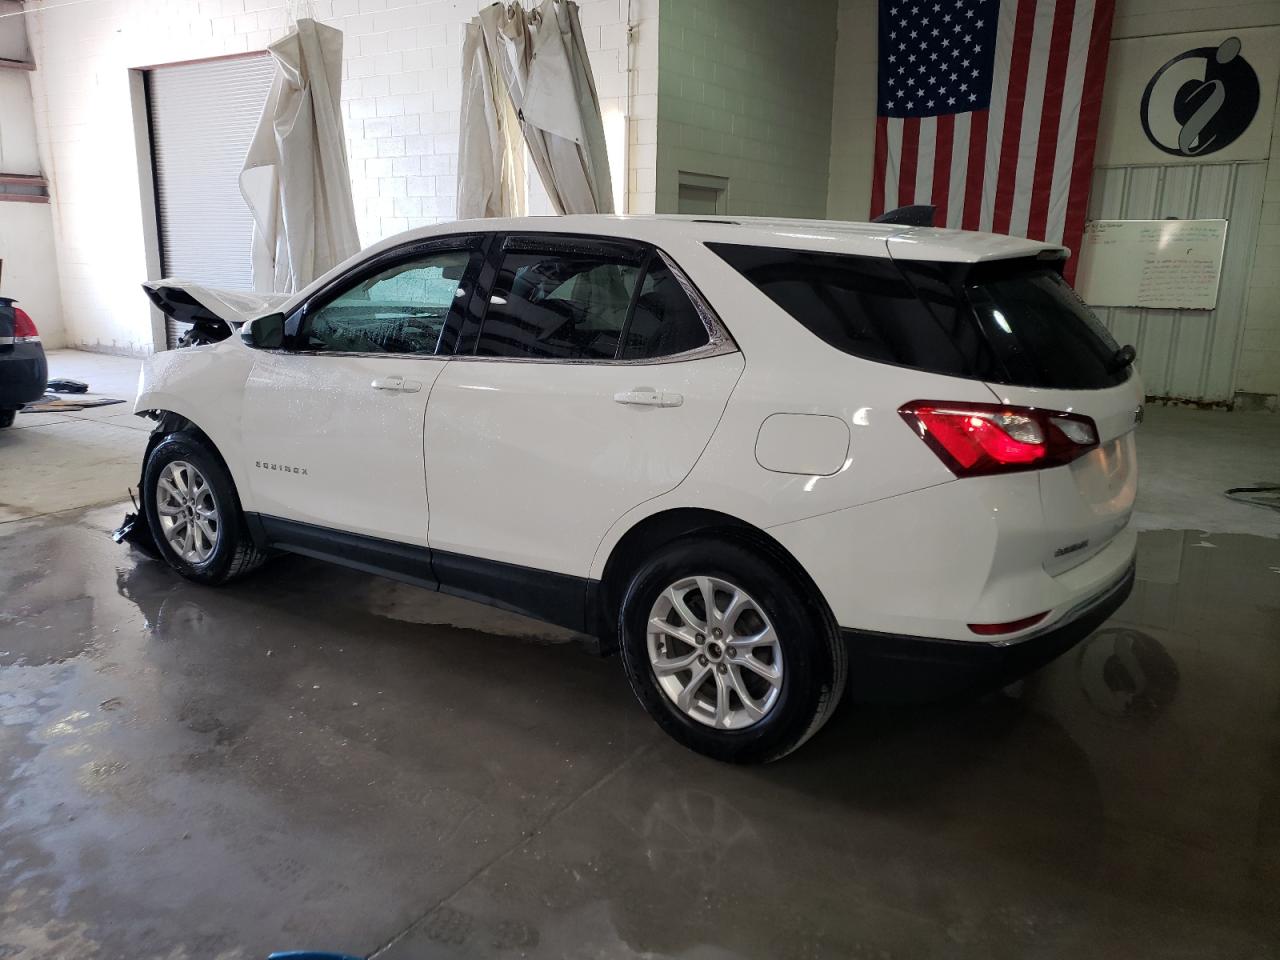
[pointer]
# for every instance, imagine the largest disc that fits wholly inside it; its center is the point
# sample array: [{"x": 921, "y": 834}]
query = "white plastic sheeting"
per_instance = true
[
  {"x": 532, "y": 63},
  {"x": 491, "y": 168},
  {"x": 295, "y": 177}
]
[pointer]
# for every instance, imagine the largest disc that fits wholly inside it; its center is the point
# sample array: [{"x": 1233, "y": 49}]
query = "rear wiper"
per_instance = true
[{"x": 1122, "y": 358}]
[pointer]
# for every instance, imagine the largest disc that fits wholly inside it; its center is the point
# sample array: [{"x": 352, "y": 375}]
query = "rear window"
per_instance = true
[
  {"x": 1016, "y": 322},
  {"x": 1043, "y": 333}
]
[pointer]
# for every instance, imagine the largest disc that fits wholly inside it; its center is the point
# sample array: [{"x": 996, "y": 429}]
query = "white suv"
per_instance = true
[{"x": 760, "y": 458}]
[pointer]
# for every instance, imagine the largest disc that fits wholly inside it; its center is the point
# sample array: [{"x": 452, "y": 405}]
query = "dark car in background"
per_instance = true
[{"x": 24, "y": 374}]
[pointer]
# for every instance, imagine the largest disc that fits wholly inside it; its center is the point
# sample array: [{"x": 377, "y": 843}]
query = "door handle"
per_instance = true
[
  {"x": 648, "y": 398},
  {"x": 396, "y": 384}
]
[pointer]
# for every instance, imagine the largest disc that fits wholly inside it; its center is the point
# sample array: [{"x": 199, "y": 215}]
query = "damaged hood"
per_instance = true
[{"x": 189, "y": 302}]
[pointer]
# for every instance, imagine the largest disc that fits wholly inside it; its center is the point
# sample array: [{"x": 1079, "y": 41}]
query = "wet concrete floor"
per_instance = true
[{"x": 317, "y": 758}]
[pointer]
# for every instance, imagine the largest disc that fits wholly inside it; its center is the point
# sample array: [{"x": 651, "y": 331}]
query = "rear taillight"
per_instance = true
[
  {"x": 23, "y": 329},
  {"x": 979, "y": 439},
  {"x": 1011, "y": 626}
]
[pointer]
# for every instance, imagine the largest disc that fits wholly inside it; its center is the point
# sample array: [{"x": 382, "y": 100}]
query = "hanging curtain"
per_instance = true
[
  {"x": 539, "y": 71},
  {"x": 562, "y": 110},
  {"x": 295, "y": 177},
  {"x": 490, "y": 156}
]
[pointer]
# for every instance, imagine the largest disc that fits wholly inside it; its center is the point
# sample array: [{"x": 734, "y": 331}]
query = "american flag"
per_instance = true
[{"x": 988, "y": 109}]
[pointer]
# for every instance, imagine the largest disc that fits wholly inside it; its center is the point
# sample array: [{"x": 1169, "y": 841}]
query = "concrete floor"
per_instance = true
[{"x": 320, "y": 758}]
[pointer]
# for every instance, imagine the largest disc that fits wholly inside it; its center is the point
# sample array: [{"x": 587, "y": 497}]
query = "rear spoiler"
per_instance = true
[{"x": 915, "y": 215}]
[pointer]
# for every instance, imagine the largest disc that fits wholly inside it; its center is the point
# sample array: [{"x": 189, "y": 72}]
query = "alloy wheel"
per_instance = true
[
  {"x": 714, "y": 653},
  {"x": 188, "y": 511}
]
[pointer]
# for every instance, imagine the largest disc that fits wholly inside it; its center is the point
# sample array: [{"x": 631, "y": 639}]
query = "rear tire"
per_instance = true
[
  {"x": 194, "y": 513},
  {"x": 749, "y": 682},
  {"x": 6, "y": 418}
]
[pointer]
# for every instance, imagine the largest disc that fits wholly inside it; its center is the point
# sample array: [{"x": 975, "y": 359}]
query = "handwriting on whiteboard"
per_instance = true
[{"x": 1162, "y": 264}]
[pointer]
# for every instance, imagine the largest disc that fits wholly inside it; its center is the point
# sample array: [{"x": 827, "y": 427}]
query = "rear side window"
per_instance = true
[
  {"x": 1043, "y": 333},
  {"x": 863, "y": 306},
  {"x": 1015, "y": 322}
]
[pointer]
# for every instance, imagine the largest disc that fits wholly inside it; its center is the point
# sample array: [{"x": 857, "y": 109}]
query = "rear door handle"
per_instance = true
[
  {"x": 396, "y": 384},
  {"x": 648, "y": 398}
]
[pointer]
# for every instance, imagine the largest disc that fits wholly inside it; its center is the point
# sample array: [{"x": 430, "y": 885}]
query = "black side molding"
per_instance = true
[
  {"x": 556, "y": 598},
  {"x": 400, "y": 561},
  {"x": 551, "y": 597}
]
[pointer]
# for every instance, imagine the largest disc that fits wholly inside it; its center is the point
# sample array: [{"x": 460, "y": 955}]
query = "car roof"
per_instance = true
[{"x": 832, "y": 236}]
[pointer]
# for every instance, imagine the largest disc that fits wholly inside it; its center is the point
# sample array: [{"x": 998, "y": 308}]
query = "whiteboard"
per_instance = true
[{"x": 1172, "y": 264}]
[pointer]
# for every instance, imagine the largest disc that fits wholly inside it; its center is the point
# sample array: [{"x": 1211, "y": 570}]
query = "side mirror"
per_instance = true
[{"x": 264, "y": 333}]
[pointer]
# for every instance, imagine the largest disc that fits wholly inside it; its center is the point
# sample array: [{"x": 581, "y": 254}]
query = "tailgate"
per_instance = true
[
  {"x": 1054, "y": 354},
  {"x": 1090, "y": 500}
]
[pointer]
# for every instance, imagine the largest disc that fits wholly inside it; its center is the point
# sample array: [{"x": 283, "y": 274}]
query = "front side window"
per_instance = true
[
  {"x": 587, "y": 305},
  {"x": 402, "y": 309}
]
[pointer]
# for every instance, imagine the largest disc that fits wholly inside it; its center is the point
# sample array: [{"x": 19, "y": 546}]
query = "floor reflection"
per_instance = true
[
  {"x": 1127, "y": 673},
  {"x": 308, "y": 758}
]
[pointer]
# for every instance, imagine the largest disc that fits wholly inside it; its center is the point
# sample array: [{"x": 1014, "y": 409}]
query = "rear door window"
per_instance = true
[
  {"x": 665, "y": 322},
  {"x": 558, "y": 306},
  {"x": 583, "y": 301}
]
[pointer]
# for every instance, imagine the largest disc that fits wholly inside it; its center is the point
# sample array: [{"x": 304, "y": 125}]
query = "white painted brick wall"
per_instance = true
[{"x": 401, "y": 95}]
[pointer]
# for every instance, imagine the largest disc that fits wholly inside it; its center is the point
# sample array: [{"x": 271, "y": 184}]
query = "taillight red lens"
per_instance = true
[
  {"x": 1012, "y": 626},
  {"x": 23, "y": 328},
  {"x": 979, "y": 439}
]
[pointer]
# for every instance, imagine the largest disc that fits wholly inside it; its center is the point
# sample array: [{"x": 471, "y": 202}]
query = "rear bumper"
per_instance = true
[
  {"x": 887, "y": 667},
  {"x": 24, "y": 374}
]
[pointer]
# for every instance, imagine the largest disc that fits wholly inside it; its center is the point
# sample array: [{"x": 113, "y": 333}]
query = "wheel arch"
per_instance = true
[
  {"x": 658, "y": 529},
  {"x": 169, "y": 422}
]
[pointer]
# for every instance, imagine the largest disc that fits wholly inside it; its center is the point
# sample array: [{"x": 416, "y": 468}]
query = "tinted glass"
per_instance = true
[
  {"x": 664, "y": 322},
  {"x": 560, "y": 306},
  {"x": 1043, "y": 333},
  {"x": 400, "y": 310},
  {"x": 863, "y": 306}
]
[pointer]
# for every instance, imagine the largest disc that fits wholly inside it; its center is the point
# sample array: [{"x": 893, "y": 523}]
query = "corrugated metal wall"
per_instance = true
[
  {"x": 203, "y": 117},
  {"x": 1187, "y": 354}
]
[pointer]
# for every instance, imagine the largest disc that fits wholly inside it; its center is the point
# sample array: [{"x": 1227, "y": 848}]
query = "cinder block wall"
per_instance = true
[
  {"x": 744, "y": 92},
  {"x": 401, "y": 96}
]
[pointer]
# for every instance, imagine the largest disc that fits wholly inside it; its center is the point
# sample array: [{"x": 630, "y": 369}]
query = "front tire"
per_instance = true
[
  {"x": 729, "y": 651},
  {"x": 194, "y": 513}
]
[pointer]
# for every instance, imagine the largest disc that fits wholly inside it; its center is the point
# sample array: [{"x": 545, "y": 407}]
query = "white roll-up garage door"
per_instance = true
[{"x": 203, "y": 116}]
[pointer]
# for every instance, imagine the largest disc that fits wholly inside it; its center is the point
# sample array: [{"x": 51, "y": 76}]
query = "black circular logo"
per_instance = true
[{"x": 1201, "y": 100}]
